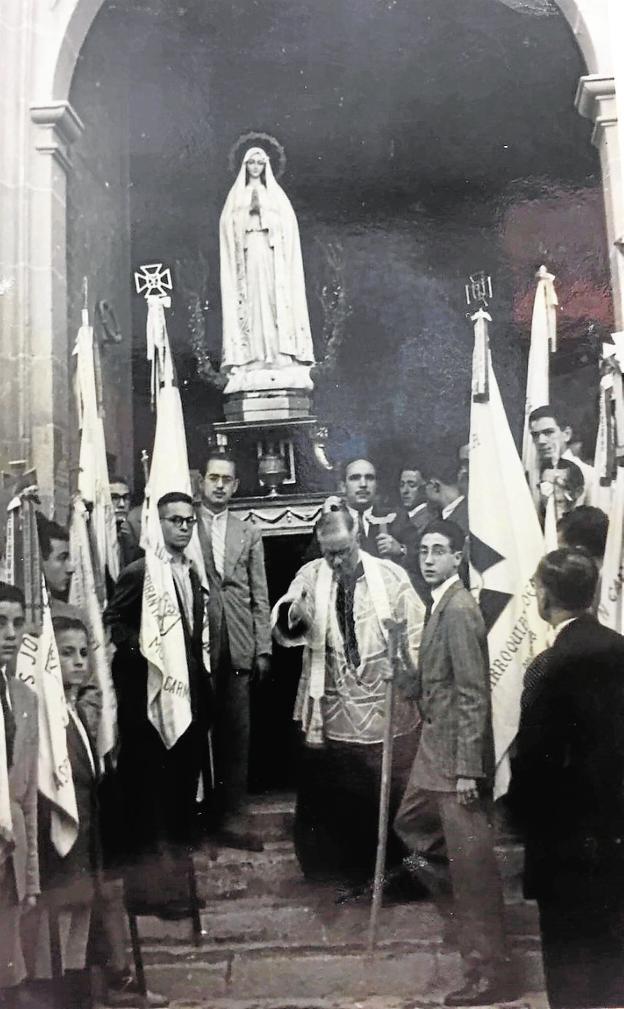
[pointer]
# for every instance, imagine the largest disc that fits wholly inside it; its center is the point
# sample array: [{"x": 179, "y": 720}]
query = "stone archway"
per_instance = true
[{"x": 38, "y": 129}]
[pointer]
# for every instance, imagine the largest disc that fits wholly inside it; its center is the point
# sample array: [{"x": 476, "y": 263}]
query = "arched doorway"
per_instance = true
[{"x": 54, "y": 45}]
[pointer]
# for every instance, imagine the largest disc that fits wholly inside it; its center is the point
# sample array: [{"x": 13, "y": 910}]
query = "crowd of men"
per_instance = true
[{"x": 382, "y": 594}]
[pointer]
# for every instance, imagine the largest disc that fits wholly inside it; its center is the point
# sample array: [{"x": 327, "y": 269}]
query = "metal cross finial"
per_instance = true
[
  {"x": 478, "y": 290},
  {"x": 153, "y": 280}
]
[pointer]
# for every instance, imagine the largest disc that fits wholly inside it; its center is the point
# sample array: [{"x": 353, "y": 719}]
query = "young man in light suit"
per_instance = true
[
  {"x": 240, "y": 641},
  {"x": 443, "y": 818},
  {"x": 19, "y": 864}
]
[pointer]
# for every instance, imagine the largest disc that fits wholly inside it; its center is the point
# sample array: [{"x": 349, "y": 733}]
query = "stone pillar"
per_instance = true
[
  {"x": 16, "y": 25},
  {"x": 34, "y": 158},
  {"x": 54, "y": 128},
  {"x": 595, "y": 100}
]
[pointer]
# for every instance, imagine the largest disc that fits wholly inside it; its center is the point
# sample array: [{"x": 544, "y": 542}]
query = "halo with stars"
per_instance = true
[{"x": 254, "y": 139}]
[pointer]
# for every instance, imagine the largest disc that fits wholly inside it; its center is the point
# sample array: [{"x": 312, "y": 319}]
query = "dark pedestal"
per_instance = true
[{"x": 298, "y": 440}]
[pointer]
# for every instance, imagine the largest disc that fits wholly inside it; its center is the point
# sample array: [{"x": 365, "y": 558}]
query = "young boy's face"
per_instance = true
[
  {"x": 74, "y": 655},
  {"x": 11, "y": 630}
]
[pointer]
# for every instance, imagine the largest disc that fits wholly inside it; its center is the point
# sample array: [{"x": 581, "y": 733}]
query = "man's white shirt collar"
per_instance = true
[
  {"x": 450, "y": 508},
  {"x": 438, "y": 592},
  {"x": 564, "y": 623},
  {"x": 417, "y": 509},
  {"x": 217, "y": 516},
  {"x": 366, "y": 515}
]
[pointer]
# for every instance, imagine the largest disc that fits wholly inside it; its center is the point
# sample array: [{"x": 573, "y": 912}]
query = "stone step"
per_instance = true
[
  {"x": 273, "y": 815},
  {"x": 532, "y": 1000},
  {"x": 397, "y": 969},
  {"x": 262, "y": 922},
  {"x": 230, "y": 874}
]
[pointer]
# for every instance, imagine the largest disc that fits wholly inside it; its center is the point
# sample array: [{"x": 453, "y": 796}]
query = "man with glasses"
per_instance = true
[
  {"x": 159, "y": 785},
  {"x": 443, "y": 817},
  {"x": 128, "y": 523},
  {"x": 240, "y": 641}
]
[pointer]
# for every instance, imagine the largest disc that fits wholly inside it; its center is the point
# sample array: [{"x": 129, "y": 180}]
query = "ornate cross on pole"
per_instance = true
[{"x": 154, "y": 280}]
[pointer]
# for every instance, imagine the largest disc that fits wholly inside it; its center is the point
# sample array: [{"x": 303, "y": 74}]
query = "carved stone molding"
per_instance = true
[
  {"x": 290, "y": 515},
  {"x": 59, "y": 126},
  {"x": 595, "y": 100}
]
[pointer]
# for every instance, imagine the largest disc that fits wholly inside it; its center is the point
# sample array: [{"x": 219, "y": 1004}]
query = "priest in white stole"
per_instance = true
[{"x": 337, "y": 607}]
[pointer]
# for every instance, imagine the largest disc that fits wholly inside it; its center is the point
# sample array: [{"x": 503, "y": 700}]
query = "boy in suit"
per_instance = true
[
  {"x": 19, "y": 862},
  {"x": 159, "y": 785},
  {"x": 240, "y": 641},
  {"x": 443, "y": 817}
]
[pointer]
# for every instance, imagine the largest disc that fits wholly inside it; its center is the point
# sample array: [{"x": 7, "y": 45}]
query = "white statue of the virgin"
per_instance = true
[{"x": 263, "y": 299}]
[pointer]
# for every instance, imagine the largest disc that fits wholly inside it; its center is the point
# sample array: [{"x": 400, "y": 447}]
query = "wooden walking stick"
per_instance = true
[{"x": 395, "y": 629}]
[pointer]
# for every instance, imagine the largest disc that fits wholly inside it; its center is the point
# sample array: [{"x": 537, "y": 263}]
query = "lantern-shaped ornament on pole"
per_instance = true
[{"x": 478, "y": 296}]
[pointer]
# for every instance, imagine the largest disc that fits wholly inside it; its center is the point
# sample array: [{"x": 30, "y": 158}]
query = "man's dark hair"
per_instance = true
[
  {"x": 218, "y": 456},
  {"x": 570, "y": 577},
  {"x": 445, "y": 471},
  {"x": 410, "y": 466},
  {"x": 557, "y": 415},
  {"x": 11, "y": 594},
  {"x": 445, "y": 527},
  {"x": 585, "y": 527},
  {"x": 64, "y": 623},
  {"x": 330, "y": 521},
  {"x": 172, "y": 497},
  {"x": 48, "y": 531},
  {"x": 575, "y": 478},
  {"x": 344, "y": 466},
  {"x": 117, "y": 478}
]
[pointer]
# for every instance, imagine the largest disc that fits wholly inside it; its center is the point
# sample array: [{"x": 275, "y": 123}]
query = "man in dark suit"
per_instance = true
[
  {"x": 445, "y": 496},
  {"x": 443, "y": 817},
  {"x": 568, "y": 790},
  {"x": 160, "y": 785},
  {"x": 402, "y": 540},
  {"x": 19, "y": 863},
  {"x": 240, "y": 641}
]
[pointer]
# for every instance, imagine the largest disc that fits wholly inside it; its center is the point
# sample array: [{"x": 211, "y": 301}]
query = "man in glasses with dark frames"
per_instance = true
[
  {"x": 240, "y": 641},
  {"x": 160, "y": 785},
  {"x": 128, "y": 529}
]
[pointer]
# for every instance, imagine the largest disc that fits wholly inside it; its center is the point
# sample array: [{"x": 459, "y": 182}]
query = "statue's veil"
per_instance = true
[{"x": 292, "y": 311}]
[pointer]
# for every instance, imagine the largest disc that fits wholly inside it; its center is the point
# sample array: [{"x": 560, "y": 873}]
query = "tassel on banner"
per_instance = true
[
  {"x": 480, "y": 370},
  {"x": 552, "y": 304}
]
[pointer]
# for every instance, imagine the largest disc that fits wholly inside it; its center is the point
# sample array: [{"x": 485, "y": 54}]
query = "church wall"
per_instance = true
[{"x": 98, "y": 226}]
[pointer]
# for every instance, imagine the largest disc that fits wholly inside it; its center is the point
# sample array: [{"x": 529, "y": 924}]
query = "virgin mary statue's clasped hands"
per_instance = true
[{"x": 266, "y": 329}]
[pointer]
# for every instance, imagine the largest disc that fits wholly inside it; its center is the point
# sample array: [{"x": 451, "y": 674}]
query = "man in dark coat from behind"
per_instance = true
[
  {"x": 159, "y": 785},
  {"x": 568, "y": 790}
]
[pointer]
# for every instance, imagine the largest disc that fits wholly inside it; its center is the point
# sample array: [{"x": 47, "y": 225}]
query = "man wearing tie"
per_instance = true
[{"x": 240, "y": 640}]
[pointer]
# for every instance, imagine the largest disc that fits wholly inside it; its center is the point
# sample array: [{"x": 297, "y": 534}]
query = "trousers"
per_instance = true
[{"x": 453, "y": 855}]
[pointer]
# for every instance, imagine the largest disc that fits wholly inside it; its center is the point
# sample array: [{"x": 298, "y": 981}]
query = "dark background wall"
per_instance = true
[{"x": 424, "y": 140}]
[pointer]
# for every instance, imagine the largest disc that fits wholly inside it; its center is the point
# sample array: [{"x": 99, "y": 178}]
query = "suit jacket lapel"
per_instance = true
[
  {"x": 206, "y": 545},
  {"x": 432, "y": 624},
  {"x": 234, "y": 542}
]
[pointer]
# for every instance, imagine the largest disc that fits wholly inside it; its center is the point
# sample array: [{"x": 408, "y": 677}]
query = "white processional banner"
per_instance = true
[
  {"x": 93, "y": 476},
  {"x": 611, "y": 606},
  {"x": 83, "y": 594},
  {"x": 162, "y": 635},
  {"x": 38, "y": 665},
  {"x": 506, "y": 545}
]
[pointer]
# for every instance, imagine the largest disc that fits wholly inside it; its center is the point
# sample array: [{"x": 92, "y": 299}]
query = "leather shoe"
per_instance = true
[{"x": 481, "y": 991}]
